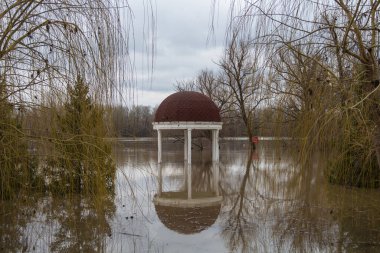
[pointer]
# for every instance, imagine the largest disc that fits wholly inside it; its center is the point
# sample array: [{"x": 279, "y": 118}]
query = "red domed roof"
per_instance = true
[{"x": 187, "y": 106}]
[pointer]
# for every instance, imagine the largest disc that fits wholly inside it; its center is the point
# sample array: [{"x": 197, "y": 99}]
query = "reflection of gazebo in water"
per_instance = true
[
  {"x": 188, "y": 211},
  {"x": 190, "y": 215}
]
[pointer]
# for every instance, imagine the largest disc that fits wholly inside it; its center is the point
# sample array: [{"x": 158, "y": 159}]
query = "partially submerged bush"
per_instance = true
[
  {"x": 18, "y": 168},
  {"x": 352, "y": 169},
  {"x": 79, "y": 159},
  {"x": 356, "y": 163}
]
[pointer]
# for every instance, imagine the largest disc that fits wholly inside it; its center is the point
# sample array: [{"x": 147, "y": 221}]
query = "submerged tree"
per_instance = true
[
  {"x": 84, "y": 163},
  {"x": 239, "y": 88},
  {"x": 338, "y": 39},
  {"x": 244, "y": 80},
  {"x": 44, "y": 45}
]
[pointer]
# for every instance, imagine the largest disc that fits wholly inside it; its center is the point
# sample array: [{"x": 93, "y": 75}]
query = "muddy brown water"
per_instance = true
[{"x": 269, "y": 203}]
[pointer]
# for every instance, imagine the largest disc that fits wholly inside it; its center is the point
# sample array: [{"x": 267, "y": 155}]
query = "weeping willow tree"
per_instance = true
[
  {"x": 44, "y": 47},
  {"x": 324, "y": 59}
]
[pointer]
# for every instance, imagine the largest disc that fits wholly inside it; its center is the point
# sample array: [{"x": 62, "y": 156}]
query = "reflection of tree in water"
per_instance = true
[
  {"x": 276, "y": 206},
  {"x": 238, "y": 228},
  {"x": 303, "y": 222},
  {"x": 202, "y": 175},
  {"x": 83, "y": 223},
  {"x": 14, "y": 217},
  {"x": 70, "y": 224},
  {"x": 357, "y": 213},
  {"x": 311, "y": 215}
]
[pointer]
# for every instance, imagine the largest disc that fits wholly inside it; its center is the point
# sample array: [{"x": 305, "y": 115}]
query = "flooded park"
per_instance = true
[
  {"x": 268, "y": 204},
  {"x": 197, "y": 126}
]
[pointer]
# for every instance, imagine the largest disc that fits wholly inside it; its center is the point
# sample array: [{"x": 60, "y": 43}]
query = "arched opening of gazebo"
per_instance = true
[{"x": 188, "y": 111}]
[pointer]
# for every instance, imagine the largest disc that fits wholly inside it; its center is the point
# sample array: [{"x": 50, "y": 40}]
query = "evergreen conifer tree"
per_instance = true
[{"x": 85, "y": 164}]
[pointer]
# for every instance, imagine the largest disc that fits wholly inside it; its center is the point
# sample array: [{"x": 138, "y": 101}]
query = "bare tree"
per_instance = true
[
  {"x": 340, "y": 40},
  {"x": 186, "y": 85},
  {"x": 243, "y": 77},
  {"x": 211, "y": 85}
]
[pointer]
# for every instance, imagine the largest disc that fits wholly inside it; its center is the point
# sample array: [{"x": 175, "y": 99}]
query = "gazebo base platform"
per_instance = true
[{"x": 182, "y": 202}]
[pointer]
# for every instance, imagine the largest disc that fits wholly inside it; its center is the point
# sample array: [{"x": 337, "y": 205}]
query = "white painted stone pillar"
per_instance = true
[
  {"x": 189, "y": 193},
  {"x": 159, "y": 144},
  {"x": 185, "y": 144},
  {"x": 189, "y": 146},
  {"x": 213, "y": 145},
  {"x": 217, "y": 145},
  {"x": 159, "y": 180},
  {"x": 215, "y": 171}
]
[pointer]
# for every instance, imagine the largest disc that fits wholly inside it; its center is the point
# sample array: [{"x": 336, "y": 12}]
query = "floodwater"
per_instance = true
[{"x": 249, "y": 202}]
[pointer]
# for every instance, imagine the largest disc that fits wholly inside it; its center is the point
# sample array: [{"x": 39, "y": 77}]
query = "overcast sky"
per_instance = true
[{"x": 183, "y": 44}]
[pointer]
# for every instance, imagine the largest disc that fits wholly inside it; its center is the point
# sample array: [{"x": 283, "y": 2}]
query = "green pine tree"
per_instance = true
[{"x": 85, "y": 164}]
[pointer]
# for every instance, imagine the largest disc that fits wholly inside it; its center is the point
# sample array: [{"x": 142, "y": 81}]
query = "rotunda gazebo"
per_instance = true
[{"x": 188, "y": 110}]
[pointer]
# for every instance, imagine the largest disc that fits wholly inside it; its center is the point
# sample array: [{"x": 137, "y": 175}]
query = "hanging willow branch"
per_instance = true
[{"x": 46, "y": 44}]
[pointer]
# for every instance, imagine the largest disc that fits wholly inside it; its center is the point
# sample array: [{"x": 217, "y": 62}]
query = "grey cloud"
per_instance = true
[{"x": 181, "y": 45}]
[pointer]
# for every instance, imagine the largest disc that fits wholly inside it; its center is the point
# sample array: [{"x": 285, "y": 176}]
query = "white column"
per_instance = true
[
  {"x": 215, "y": 171},
  {"x": 188, "y": 168},
  {"x": 189, "y": 146},
  {"x": 159, "y": 180},
  {"x": 185, "y": 144},
  {"x": 159, "y": 143},
  {"x": 217, "y": 145},
  {"x": 213, "y": 148}
]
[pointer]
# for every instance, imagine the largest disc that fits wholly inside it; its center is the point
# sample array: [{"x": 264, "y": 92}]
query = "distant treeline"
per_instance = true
[{"x": 136, "y": 121}]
